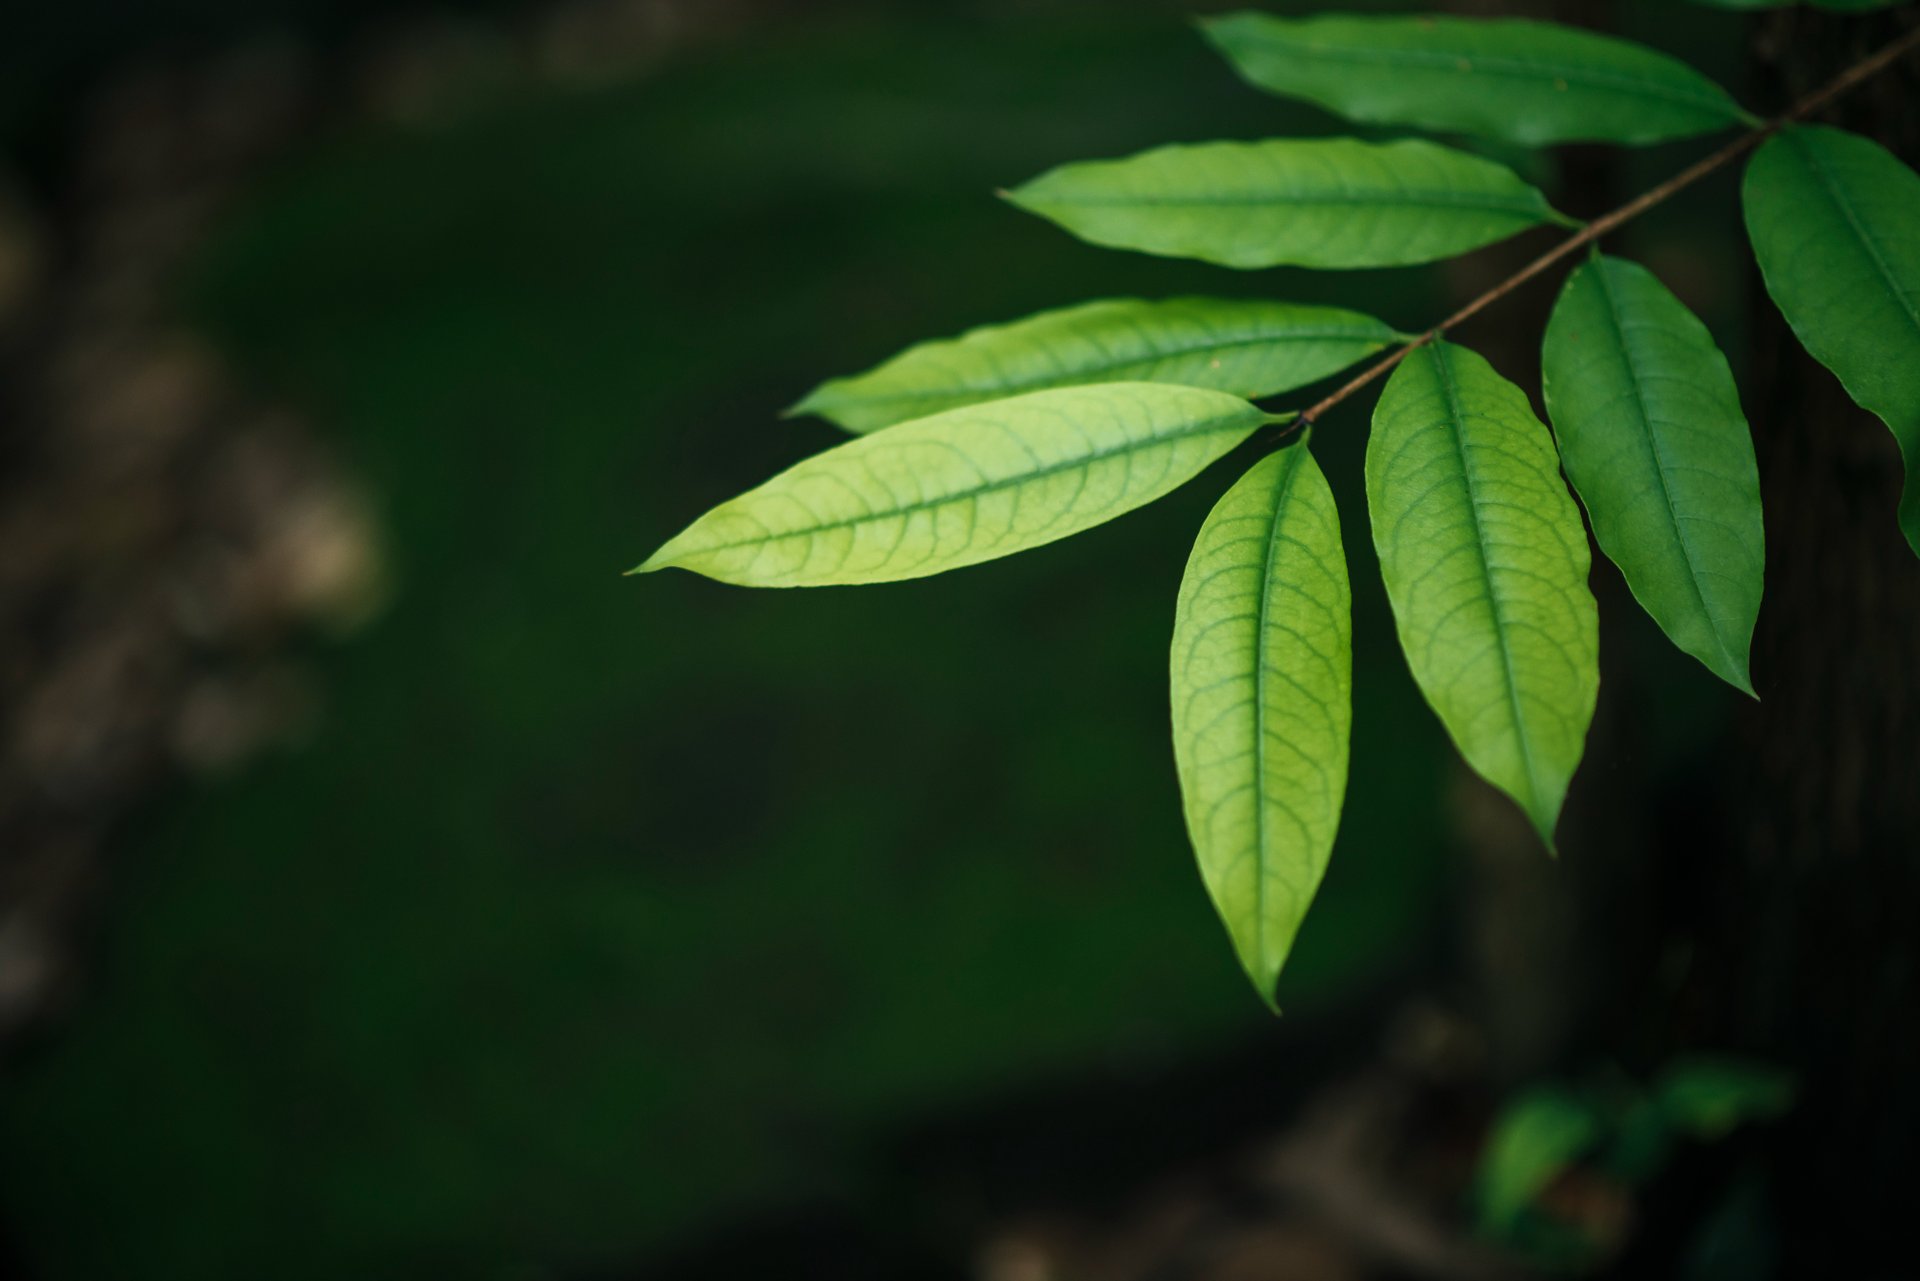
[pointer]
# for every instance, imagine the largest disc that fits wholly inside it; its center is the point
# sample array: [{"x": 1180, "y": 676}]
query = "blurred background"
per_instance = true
[{"x": 390, "y": 889}]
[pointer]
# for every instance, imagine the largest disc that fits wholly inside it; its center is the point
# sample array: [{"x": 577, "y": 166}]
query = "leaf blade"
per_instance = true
[
  {"x": 1655, "y": 443},
  {"x": 1326, "y": 202},
  {"x": 962, "y": 487},
  {"x": 1262, "y": 692},
  {"x": 1831, "y": 216},
  {"x": 1533, "y": 83},
  {"x": 1246, "y": 348},
  {"x": 1485, "y": 563}
]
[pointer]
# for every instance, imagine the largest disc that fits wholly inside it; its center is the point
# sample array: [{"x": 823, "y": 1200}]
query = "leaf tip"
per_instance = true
[
  {"x": 1021, "y": 197},
  {"x": 651, "y": 565},
  {"x": 801, "y": 408},
  {"x": 1544, "y": 824}
]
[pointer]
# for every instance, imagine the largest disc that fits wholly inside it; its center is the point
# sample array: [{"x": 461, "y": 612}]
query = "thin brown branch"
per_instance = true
[{"x": 1854, "y": 76}]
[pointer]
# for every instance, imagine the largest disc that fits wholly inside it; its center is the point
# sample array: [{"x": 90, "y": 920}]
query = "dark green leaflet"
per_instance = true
[{"x": 1653, "y": 439}]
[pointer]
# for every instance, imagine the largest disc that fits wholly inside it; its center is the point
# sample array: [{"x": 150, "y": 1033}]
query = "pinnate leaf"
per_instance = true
[
  {"x": 1485, "y": 563},
  {"x": 1835, "y": 222},
  {"x": 1263, "y": 702},
  {"x": 1321, "y": 202},
  {"x": 1653, "y": 439},
  {"x": 964, "y": 486},
  {"x": 1526, "y": 82},
  {"x": 1248, "y": 348}
]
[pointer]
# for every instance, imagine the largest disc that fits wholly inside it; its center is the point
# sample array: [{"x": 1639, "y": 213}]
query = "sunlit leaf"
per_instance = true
[
  {"x": 1262, "y": 702},
  {"x": 1536, "y": 1137},
  {"x": 1653, "y": 440},
  {"x": 1525, "y": 82},
  {"x": 1835, "y": 222},
  {"x": 1485, "y": 562},
  {"x": 1249, "y": 348},
  {"x": 1324, "y": 202},
  {"x": 965, "y": 486}
]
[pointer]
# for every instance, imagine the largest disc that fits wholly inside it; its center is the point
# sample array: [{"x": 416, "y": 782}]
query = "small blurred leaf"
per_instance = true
[
  {"x": 1524, "y": 82},
  {"x": 1485, "y": 562},
  {"x": 1263, "y": 702},
  {"x": 1326, "y": 202},
  {"x": 965, "y": 486},
  {"x": 1835, "y": 223},
  {"x": 1653, "y": 439},
  {"x": 1537, "y": 1137},
  {"x": 1707, "y": 1098},
  {"x": 1247, "y": 348}
]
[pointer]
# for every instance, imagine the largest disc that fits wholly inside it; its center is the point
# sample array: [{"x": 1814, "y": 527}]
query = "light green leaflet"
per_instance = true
[
  {"x": 965, "y": 486},
  {"x": 1323, "y": 202},
  {"x": 1652, "y": 437},
  {"x": 1485, "y": 562},
  {"x": 1248, "y": 348},
  {"x": 1263, "y": 702},
  {"x": 1835, "y": 223},
  {"x": 1526, "y": 82}
]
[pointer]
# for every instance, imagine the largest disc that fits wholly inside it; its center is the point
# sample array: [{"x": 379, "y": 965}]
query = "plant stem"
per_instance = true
[{"x": 1854, "y": 76}]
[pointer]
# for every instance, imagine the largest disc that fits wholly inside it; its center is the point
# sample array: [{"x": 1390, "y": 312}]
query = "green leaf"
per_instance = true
[
  {"x": 1485, "y": 562},
  {"x": 965, "y": 486},
  {"x": 1263, "y": 702},
  {"x": 1326, "y": 202},
  {"x": 1526, "y": 82},
  {"x": 1250, "y": 349},
  {"x": 1653, "y": 440},
  {"x": 1709, "y": 1097},
  {"x": 1536, "y": 1137},
  {"x": 1835, "y": 223}
]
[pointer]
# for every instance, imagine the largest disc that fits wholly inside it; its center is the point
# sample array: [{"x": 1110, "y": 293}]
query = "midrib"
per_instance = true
[
  {"x": 1659, "y": 459},
  {"x": 1457, "y": 420}
]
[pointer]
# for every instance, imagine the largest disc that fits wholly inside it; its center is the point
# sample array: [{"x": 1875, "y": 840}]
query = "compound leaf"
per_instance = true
[
  {"x": 964, "y": 486},
  {"x": 1325, "y": 202},
  {"x": 1248, "y": 348},
  {"x": 1654, "y": 442},
  {"x": 1835, "y": 223},
  {"x": 1525, "y": 82},
  {"x": 1485, "y": 563},
  {"x": 1262, "y": 702}
]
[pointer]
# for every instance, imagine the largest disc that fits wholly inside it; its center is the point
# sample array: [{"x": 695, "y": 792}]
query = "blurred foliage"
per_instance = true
[
  {"x": 594, "y": 909},
  {"x": 1609, "y": 1136}
]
